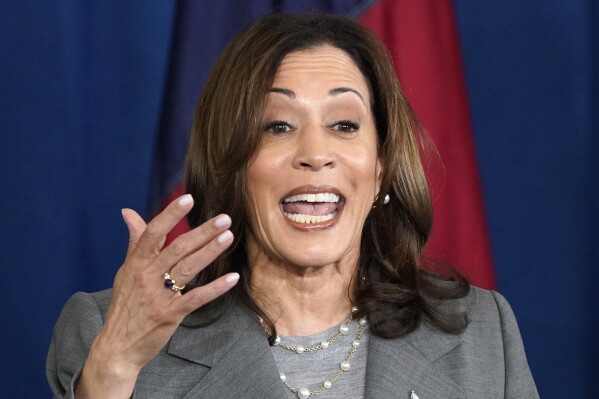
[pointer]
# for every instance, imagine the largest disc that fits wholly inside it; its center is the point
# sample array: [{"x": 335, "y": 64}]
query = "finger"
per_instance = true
[
  {"x": 135, "y": 225},
  {"x": 190, "y": 242},
  {"x": 200, "y": 296},
  {"x": 151, "y": 241},
  {"x": 189, "y": 266}
]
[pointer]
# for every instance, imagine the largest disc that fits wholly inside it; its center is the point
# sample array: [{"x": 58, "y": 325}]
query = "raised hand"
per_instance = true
[{"x": 143, "y": 312}]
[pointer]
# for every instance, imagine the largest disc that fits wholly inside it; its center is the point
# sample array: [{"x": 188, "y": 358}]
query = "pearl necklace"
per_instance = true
[
  {"x": 343, "y": 330},
  {"x": 304, "y": 393}
]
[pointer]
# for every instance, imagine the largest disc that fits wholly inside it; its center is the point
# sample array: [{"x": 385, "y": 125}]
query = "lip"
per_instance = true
[{"x": 308, "y": 189}]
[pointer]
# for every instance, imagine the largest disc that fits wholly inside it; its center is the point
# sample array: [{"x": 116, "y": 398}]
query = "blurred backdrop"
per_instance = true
[{"x": 91, "y": 108}]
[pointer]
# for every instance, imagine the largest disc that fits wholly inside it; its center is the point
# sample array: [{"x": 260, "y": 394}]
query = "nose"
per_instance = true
[{"x": 314, "y": 149}]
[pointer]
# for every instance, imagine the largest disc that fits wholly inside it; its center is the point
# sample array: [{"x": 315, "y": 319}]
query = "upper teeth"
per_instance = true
[{"x": 320, "y": 197}]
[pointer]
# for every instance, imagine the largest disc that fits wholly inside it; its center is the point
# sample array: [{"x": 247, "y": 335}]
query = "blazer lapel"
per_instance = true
[
  {"x": 237, "y": 352},
  {"x": 241, "y": 363},
  {"x": 398, "y": 366}
]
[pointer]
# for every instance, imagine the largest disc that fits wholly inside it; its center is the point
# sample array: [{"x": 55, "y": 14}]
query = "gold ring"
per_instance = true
[{"x": 170, "y": 283}]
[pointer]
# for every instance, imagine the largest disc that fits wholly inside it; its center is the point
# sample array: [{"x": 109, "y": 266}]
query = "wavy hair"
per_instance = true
[{"x": 393, "y": 289}]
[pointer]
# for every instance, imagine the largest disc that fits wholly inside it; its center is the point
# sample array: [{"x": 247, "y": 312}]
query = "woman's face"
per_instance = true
[{"x": 316, "y": 172}]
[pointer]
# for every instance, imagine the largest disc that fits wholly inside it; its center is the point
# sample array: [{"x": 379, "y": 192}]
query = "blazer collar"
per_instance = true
[
  {"x": 241, "y": 362},
  {"x": 397, "y": 366},
  {"x": 237, "y": 351}
]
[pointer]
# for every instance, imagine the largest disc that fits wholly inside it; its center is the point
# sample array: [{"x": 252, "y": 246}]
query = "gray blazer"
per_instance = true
[{"x": 232, "y": 359}]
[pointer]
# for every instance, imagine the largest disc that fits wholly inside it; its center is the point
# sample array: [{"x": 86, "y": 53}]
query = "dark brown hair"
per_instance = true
[{"x": 394, "y": 290}]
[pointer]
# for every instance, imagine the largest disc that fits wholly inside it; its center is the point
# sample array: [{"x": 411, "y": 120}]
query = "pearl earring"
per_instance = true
[{"x": 387, "y": 199}]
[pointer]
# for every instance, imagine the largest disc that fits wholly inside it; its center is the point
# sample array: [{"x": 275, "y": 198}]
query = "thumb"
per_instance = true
[{"x": 136, "y": 226}]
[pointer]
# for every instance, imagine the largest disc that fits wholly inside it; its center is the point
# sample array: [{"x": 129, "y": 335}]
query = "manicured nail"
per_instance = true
[
  {"x": 231, "y": 278},
  {"x": 222, "y": 221},
  {"x": 186, "y": 199},
  {"x": 224, "y": 237}
]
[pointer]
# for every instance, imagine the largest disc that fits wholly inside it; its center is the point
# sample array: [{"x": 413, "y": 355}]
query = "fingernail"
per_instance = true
[
  {"x": 231, "y": 278},
  {"x": 124, "y": 213},
  {"x": 222, "y": 221},
  {"x": 186, "y": 199},
  {"x": 224, "y": 237}
]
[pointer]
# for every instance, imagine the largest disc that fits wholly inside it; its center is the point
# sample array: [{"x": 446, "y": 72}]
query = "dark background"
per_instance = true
[{"x": 80, "y": 97}]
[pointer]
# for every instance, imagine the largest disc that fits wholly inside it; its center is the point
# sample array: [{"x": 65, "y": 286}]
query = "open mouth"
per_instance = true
[{"x": 310, "y": 206}]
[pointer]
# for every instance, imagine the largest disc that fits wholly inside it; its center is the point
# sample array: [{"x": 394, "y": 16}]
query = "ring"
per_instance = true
[{"x": 170, "y": 283}]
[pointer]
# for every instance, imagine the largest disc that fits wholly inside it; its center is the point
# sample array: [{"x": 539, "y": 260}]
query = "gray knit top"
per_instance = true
[{"x": 311, "y": 369}]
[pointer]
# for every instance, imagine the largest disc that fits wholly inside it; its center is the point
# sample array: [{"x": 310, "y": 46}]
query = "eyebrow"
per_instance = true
[
  {"x": 334, "y": 92},
  {"x": 341, "y": 90},
  {"x": 286, "y": 92}
]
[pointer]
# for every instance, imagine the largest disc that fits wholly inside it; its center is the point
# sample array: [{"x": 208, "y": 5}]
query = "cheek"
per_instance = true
[
  {"x": 365, "y": 164},
  {"x": 256, "y": 199},
  {"x": 254, "y": 181},
  {"x": 257, "y": 174},
  {"x": 261, "y": 182},
  {"x": 365, "y": 172}
]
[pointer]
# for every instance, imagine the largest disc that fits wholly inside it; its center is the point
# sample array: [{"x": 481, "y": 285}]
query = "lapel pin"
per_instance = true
[{"x": 413, "y": 395}]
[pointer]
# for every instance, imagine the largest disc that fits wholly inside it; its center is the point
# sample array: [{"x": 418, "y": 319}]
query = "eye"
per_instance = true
[
  {"x": 346, "y": 126},
  {"x": 278, "y": 127}
]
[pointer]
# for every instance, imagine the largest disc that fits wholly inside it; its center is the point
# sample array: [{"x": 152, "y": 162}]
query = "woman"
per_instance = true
[{"x": 305, "y": 278}]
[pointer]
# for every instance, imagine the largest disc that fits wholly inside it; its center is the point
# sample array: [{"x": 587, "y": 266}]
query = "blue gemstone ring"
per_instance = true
[{"x": 170, "y": 283}]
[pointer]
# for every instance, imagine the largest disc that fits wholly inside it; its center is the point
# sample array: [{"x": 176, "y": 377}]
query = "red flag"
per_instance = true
[{"x": 423, "y": 40}]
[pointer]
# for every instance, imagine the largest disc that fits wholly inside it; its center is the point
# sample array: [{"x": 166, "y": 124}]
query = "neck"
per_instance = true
[{"x": 302, "y": 300}]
